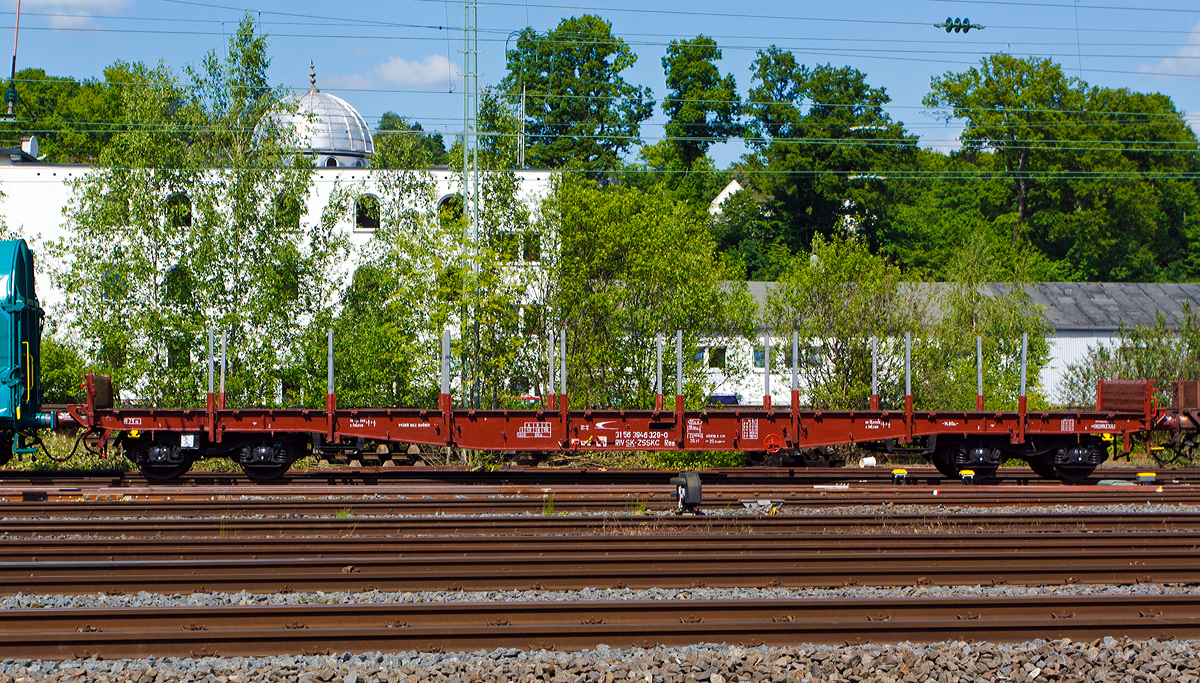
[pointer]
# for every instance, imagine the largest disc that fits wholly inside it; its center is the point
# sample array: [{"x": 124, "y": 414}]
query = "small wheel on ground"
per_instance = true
[{"x": 1043, "y": 467}]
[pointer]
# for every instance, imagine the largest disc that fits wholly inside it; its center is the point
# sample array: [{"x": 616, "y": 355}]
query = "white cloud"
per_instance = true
[
  {"x": 344, "y": 82},
  {"x": 75, "y": 13},
  {"x": 434, "y": 69},
  {"x": 1186, "y": 61}
]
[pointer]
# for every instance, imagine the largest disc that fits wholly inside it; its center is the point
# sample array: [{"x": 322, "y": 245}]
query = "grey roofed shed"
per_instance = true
[{"x": 1076, "y": 306}]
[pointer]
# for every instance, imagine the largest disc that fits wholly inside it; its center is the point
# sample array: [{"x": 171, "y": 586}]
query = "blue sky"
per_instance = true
[{"x": 399, "y": 55}]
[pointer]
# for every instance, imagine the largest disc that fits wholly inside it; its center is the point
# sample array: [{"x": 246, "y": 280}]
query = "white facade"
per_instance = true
[{"x": 36, "y": 197}]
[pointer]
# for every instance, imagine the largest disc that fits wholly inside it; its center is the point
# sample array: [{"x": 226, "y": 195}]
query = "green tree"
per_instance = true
[
  {"x": 945, "y": 371},
  {"x": 633, "y": 264},
  {"x": 400, "y": 143},
  {"x": 72, "y": 120},
  {"x": 189, "y": 222},
  {"x": 580, "y": 111},
  {"x": 62, "y": 369},
  {"x": 1100, "y": 180},
  {"x": 701, "y": 105},
  {"x": 822, "y": 149},
  {"x": 1014, "y": 107},
  {"x": 1165, "y": 352},
  {"x": 837, "y": 297}
]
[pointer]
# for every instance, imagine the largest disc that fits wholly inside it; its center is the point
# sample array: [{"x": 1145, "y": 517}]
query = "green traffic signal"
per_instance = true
[{"x": 957, "y": 25}]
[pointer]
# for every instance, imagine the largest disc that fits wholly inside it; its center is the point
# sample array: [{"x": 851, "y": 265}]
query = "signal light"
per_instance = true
[{"x": 958, "y": 25}]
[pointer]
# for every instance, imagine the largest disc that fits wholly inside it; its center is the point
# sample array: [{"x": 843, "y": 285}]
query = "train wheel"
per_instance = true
[
  {"x": 264, "y": 469},
  {"x": 138, "y": 452},
  {"x": 1043, "y": 467},
  {"x": 260, "y": 473},
  {"x": 943, "y": 460},
  {"x": 985, "y": 473},
  {"x": 6, "y": 446},
  {"x": 1073, "y": 473}
]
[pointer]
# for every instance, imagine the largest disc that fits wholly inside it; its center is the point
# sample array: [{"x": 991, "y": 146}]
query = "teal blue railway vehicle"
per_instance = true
[{"x": 21, "y": 321}]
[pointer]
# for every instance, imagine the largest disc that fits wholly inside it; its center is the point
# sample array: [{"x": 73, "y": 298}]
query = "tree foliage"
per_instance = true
[
  {"x": 401, "y": 144},
  {"x": 821, "y": 142},
  {"x": 837, "y": 298},
  {"x": 581, "y": 112},
  {"x": 191, "y": 221},
  {"x": 634, "y": 264},
  {"x": 702, "y": 106},
  {"x": 1165, "y": 351},
  {"x": 72, "y": 120},
  {"x": 1100, "y": 180}
]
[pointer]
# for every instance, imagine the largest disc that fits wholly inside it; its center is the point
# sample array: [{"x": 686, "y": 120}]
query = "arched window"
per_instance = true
[
  {"x": 366, "y": 212},
  {"x": 287, "y": 211},
  {"x": 450, "y": 209},
  {"x": 179, "y": 210},
  {"x": 361, "y": 163},
  {"x": 331, "y": 162}
]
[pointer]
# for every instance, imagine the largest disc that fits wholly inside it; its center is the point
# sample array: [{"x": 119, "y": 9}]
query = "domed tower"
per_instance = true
[{"x": 329, "y": 129}]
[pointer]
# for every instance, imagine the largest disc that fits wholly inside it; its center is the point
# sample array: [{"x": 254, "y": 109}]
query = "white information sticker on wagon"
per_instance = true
[
  {"x": 750, "y": 429},
  {"x": 534, "y": 430}
]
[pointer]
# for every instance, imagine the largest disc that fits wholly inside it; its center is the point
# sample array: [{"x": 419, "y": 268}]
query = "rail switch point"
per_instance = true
[{"x": 687, "y": 490}]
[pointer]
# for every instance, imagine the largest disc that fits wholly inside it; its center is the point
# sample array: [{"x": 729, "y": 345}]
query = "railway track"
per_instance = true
[
  {"x": 247, "y": 631},
  {"x": 576, "y": 570},
  {"x": 598, "y": 525},
  {"x": 546, "y": 476},
  {"x": 177, "y": 540},
  {"x": 748, "y": 546}
]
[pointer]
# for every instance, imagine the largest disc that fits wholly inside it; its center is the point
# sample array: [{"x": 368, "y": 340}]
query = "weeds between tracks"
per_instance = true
[{"x": 614, "y": 526}]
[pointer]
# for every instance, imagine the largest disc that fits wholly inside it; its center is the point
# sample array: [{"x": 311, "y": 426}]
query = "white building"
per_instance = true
[{"x": 331, "y": 131}]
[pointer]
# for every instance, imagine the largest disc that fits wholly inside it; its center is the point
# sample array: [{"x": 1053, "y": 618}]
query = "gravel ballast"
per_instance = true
[
  {"x": 1108, "y": 659},
  {"x": 145, "y": 599}
]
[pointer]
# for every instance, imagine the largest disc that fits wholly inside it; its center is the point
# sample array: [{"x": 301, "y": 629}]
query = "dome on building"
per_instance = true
[{"x": 331, "y": 130}]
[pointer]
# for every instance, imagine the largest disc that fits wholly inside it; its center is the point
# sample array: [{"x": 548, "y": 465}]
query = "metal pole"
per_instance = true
[
  {"x": 766, "y": 366},
  {"x": 550, "y": 367},
  {"x": 210, "y": 360},
  {"x": 658, "y": 382},
  {"x": 908, "y": 364},
  {"x": 979, "y": 372},
  {"x": 795, "y": 361},
  {"x": 224, "y": 335},
  {"x": 13, "y": 81},
  {"x": 874, "y": 366},
  {"x": 679, "y": 362},
  {"x": 329, "y": 365},
  {"x": 445, "y": 361},
  {"x": 1024, "y": 358}
]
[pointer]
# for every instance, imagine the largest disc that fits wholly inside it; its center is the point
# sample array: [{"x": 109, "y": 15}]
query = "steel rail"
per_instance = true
[
  {"x": 600, "y": 525},
  {"x": 545, "y": 476},
  {"x": 310, "y": 629},
  {"x": 422, "y": 500},
  {"x": 74, "y": 549},
  {"x": 575, "y": 570}
]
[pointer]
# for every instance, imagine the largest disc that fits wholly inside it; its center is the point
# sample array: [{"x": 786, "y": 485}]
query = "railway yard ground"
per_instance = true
[{"x": 536, "y": 574}]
